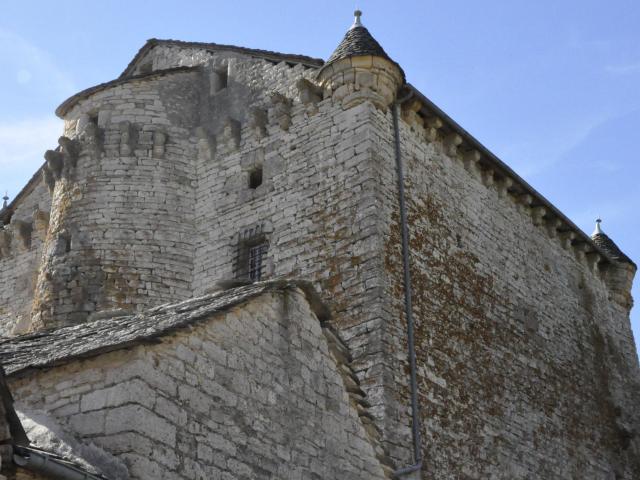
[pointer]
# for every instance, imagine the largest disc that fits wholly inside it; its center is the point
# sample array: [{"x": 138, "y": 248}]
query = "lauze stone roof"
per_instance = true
[
  {"x": 49, "y": 348},
  {"x": 603, "y": 241}
]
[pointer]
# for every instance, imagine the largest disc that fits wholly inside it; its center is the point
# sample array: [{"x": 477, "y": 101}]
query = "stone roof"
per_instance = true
[
  {"x": 358, "y": 42},
  {"x": 50, "y": 348},
  {"x": 265, "y": 54},
  {"x": 603, "y": 241}
]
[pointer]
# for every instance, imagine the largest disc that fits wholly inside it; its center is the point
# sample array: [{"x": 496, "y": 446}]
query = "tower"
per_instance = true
[{"x": 205, "y": 166}]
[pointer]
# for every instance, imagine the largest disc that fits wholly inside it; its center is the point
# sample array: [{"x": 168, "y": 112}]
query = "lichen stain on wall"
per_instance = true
[{"x": 453, "y": 330}]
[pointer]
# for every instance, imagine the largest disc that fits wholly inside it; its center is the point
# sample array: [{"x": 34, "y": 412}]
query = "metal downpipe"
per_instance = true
[{"x": 415, "y": 419}]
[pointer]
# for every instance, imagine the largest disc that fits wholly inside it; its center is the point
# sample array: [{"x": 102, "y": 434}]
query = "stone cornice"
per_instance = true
[{"x": 492, "y": 171}]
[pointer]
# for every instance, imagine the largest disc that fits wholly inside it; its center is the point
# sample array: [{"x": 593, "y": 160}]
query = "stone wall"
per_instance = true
[
  {"x": 527, "y": 369},
  {"x": 21, "y": 245},
  {"x": 251, "y": 393}
]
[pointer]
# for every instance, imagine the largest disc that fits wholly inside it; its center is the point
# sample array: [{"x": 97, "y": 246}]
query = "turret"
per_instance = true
[
  {"x": 359, "y": 69},
  {"x": 620, "y": 277}
]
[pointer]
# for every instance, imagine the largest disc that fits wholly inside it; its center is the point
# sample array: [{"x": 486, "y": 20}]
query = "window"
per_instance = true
[
  {"x": 219, "y": 80},
  {"x": 255, "y": 177},
  {"x": 256, "y": 257}
]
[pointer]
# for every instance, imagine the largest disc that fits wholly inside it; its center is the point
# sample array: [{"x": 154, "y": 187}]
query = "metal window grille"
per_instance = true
[{"x": 257, "y": 254}]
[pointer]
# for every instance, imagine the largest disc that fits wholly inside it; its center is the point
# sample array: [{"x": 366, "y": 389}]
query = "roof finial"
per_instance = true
[
  {"x": 598, "y": 230},
  {"x": 5, "y": 198},
  {"x": 356, "y": 20}
]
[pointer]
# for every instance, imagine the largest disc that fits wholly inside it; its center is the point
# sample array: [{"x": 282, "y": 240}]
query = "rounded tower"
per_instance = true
[
  {"x": 359, "y": 69},
  {"x": 121, "y": 229}
]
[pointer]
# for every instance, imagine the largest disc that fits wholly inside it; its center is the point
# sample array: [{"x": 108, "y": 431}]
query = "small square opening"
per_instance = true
[
  {"x": 219, "y": 80},
  {"x": 255, "y": 178}
]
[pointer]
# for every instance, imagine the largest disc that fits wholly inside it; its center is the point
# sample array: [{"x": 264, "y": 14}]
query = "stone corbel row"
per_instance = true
[
  {"x": 61, "y": 162},
  {"x": 128, "y": 137},
  {"x": 18, "y": 235},
  {"x": 131, "y": 138},
  {"x": 261, "y": 121},
  {"x": 456, "y": 147}
]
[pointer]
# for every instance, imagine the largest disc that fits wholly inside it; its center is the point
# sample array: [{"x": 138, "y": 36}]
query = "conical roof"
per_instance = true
[
  {"x": 358, "y": 42},
  {"x": 603, "y": 241}
]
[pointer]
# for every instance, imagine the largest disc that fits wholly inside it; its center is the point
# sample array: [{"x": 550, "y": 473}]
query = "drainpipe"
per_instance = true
[
  {"x": 50, "y": 467},
  {"x": 415, "y": 419}
]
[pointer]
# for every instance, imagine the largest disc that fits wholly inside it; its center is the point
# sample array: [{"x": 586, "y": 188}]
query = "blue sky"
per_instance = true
[{"x": 551, "y": 87}]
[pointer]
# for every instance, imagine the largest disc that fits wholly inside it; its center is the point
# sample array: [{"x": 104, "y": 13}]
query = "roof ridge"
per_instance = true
[{"x": 267, "y": 54}]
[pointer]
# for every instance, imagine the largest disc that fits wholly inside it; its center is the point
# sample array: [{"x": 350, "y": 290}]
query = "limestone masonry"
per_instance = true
[{"x": 206, "y": 279}]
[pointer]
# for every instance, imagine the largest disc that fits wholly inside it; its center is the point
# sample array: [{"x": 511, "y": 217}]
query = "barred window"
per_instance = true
[{"x": 257, "y": 254}]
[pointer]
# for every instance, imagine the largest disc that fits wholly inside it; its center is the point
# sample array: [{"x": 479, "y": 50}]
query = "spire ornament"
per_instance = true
[
  {"x": 356, "y": 21},
  {"x": 598, "y": 230},
  {"x": 5, "y": 198}
]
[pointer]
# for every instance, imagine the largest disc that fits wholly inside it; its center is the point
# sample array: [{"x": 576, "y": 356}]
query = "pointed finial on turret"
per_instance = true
[
  {"x": 5, "y": 198},
  {"x": 597, "y": 230},
  {"x": 356, "y": 20}
]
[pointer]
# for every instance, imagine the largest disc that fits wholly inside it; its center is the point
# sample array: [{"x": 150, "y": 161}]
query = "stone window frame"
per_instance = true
[{"x": 253, "y": 240}]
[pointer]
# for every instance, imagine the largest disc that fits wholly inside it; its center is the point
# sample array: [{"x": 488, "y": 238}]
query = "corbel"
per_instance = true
[
  {"x": 280, "y": 111},
  {"x": 126, "y": 138},
  {"x": 310, "y": 93},
  {"x": 487, "y": 177},
  {"x": 524, "y": 201},
  {"x": 503, "y": 187},
  {"x": 432, "y": 125},
  {"x": 5, "y": 242},
  {"x": 258, "y": 121},
  {"x": 206, "y": 144},
  {"x": 553, "y": 226},
  {"x": 451, "y": 143},
  {"x": 470, "y": 160},
  {"x": 23, "y": 232},
  {"x": 231, "y": 133},
  {"x": 537, "y": 214},
  {"x": 593, "y": 259},
  {"x": 159, "y": 141},
  {"x": 580, "y": 249},
  {"x": 40, "y": 223},
  {"x": 70, "y": 151},
  {"x": 566, "y": 238},
  {"x": 55, "y": 163}
]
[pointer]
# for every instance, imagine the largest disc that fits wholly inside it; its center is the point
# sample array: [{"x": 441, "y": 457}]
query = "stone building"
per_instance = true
[{"x": 244, "y": 264}]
